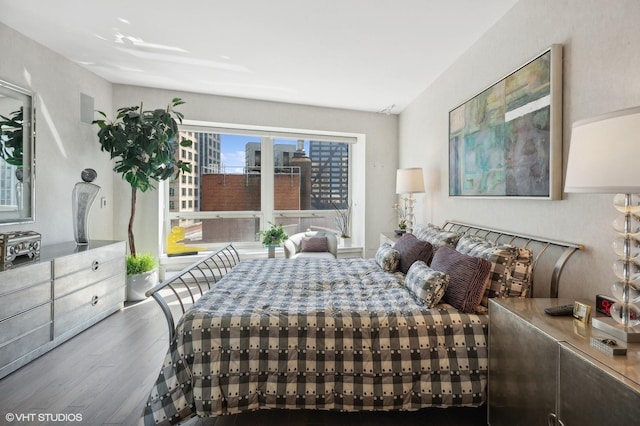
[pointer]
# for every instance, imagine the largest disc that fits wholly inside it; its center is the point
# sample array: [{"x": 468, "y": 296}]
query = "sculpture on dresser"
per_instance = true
[{"x": 84, "y": 194}]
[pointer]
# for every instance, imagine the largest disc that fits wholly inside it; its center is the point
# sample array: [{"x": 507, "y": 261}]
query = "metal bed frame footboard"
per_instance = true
[
  {"x": 188, "y": 285},
  {"x": 550, "y": 256}
]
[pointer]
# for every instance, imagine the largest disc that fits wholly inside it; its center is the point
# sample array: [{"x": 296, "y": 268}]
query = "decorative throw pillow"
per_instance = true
[
  {"x": 502, "y": 258},
  {"x": 426, "y": 284},
  {"x": 314, "y": 244},
  {"x": 521, "y": 275},
  {"x": 412, "y": 249},
  {"x": 388, "y": 258},
  {"x": 437, "y": 236},
  {"x": 468, "y": 277}
]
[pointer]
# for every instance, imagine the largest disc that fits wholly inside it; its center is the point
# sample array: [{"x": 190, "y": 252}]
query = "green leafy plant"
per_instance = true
[
  {"x": 343, "y": 220},
  {"x": 11, "y": 135},
  {"x": 143, "y": 144},
  {"x": 274, "y": 235},
  {"x": 140, "y": 264}
]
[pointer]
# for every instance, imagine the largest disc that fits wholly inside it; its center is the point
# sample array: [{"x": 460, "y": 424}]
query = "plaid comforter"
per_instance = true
[{"x": 315, "y": 334}]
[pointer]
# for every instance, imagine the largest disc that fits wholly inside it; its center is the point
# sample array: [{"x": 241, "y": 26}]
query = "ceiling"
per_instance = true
[{"x": 371, "y": 55}]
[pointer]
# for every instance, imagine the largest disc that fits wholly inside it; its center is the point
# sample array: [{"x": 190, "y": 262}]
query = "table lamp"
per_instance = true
[
  {"x": 603, "y": 158},
  {"x": 409, "y": 181}
]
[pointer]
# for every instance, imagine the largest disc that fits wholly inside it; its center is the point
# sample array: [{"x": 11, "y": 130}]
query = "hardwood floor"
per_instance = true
[{"x": 105, "y": 374}]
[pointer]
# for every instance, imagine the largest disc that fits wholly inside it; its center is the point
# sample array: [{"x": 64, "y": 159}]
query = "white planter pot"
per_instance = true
[
  {"x": 138, "y": 284},
  {"x": 345, "y": 242}
]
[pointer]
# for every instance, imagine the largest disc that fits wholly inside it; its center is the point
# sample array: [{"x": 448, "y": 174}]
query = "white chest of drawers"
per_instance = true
[{"x": 45, "y": 302}]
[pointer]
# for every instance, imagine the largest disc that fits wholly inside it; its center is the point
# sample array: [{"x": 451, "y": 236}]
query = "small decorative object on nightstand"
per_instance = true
[{"x": 402, "y": 217}]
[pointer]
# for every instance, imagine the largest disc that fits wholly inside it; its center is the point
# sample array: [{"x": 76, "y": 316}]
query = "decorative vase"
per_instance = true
[
  {"x": 138, "y": 284},
  {"x": 84, "y": 193},
  {"x": 271, "y": 250}
]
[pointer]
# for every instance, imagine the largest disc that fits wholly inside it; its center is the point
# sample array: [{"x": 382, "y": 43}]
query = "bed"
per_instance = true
[{"x": 344, "y": 334}]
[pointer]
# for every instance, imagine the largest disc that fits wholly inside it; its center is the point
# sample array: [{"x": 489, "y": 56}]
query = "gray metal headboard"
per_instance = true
[{"x": 550, "y": 256}]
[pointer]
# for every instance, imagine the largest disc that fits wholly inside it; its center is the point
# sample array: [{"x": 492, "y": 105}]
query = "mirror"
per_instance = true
[{"x": 17, "y": 195}]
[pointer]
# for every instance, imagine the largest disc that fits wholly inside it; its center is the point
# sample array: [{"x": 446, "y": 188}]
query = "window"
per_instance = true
[{"x": 246, "y": 179}]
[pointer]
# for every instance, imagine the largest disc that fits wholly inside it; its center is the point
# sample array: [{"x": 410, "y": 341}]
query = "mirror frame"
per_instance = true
[{"x": 28, "y": 141}]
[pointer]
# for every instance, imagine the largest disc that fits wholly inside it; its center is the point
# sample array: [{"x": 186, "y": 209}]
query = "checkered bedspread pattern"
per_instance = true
[{"x": 315, "y": 334}]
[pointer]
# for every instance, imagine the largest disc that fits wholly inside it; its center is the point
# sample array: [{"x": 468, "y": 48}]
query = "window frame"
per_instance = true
[{"x": 266, "y": 214}]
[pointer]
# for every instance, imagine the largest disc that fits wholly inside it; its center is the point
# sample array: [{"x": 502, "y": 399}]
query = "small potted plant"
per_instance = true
[
  {"x": 402, "y": 218},
  {"x": 343, "y": 222},
  {"x": 142, "y": 274},
  {"x": 273, "y": 237}
]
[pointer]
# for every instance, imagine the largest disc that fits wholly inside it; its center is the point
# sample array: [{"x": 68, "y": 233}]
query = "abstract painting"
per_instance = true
[{"x": 506, "y": 141}]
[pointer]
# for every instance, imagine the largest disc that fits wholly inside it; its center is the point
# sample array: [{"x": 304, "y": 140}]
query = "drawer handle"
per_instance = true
[
  {"x": 94, "y": 300},
  {"x": 95, "y": 265}
]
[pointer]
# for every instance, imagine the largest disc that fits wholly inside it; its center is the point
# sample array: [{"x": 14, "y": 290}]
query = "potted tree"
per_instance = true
[{"x": 143, "y": 144}]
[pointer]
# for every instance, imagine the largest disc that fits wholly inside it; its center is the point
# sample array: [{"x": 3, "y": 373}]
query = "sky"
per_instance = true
[{"x": 233, "y": 151}]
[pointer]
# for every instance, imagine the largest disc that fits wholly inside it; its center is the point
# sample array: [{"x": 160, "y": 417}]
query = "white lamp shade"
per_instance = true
[
  {"x": 604, "y": 155},
  {"x": 409, "y": 181}
]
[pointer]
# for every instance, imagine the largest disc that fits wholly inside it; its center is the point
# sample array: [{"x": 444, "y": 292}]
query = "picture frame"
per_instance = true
[
  {"x": 581, "y": 312},
  {"x": 506, "y": 142}
]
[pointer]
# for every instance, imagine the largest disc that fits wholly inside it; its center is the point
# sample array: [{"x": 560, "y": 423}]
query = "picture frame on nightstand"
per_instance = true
[{"x": 581, "y": 312}]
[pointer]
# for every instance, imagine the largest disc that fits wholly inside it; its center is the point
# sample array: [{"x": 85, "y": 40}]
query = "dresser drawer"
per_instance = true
[
  {"x": 25, "y": 344},
  {"x": 89, "y": 260},
  {"x": 87, "y": 277},
  {"x": 77, "y": 309},
  {"x": 24, "y": 276},
  {"x": 24, "y": 322},
  {"x": 23, "y": 300}
]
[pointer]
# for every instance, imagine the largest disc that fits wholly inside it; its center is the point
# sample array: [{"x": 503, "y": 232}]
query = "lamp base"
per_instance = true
[{"x": 610, "y": 326}]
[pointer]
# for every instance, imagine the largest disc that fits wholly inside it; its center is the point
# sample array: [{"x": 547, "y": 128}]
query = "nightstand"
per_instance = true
[{"x": 389, "y": 237}]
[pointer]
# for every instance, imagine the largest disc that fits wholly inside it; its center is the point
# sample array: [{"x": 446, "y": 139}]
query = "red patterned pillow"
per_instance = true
[
  {"x": 468, "y": 277},
  {"x": 412, "y": 249},
  {"x": 314, "y": 244}
]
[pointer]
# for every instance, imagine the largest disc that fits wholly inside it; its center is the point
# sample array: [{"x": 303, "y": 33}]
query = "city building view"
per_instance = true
[{"x": 227, "y": 173}]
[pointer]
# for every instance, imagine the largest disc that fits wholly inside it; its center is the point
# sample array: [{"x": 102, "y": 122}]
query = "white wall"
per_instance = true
[
  {"x": 64, "y": 146},
  {"x": 374, "y": 184},
  {"x": 601, "y": 43}
]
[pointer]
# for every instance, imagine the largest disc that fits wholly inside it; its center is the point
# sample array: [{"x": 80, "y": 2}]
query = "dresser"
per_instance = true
[
  {"x": 544, "y": 371},
  {"x": 47, "y": 301}
]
